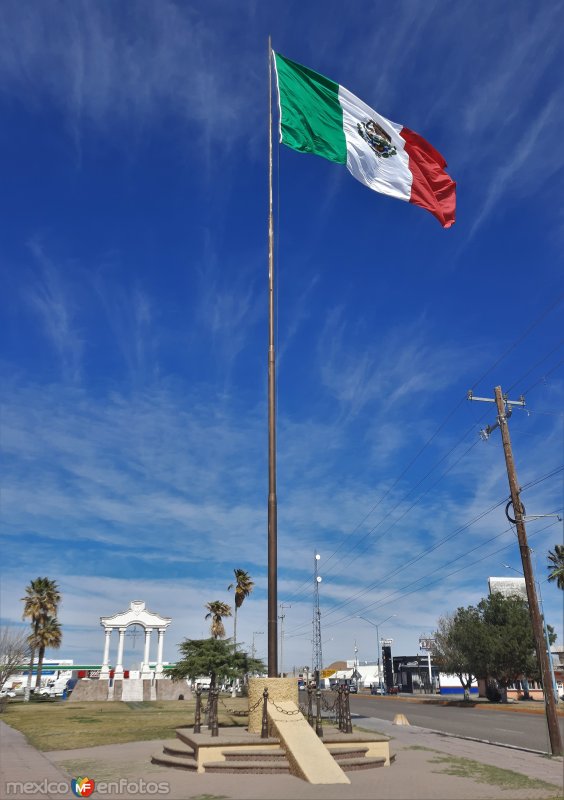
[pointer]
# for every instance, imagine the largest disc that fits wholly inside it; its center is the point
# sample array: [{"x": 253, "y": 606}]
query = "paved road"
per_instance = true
[{"x": 495, "y": 725}]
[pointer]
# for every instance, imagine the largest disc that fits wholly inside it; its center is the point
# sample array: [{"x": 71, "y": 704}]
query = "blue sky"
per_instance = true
[{"x": 134, "y": 316}]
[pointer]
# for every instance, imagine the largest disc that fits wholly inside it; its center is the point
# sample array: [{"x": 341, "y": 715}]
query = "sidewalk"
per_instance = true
[{"x": 424, "y": 761}]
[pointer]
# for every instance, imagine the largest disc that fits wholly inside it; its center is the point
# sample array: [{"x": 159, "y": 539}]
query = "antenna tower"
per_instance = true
[{"x": 316, "y": 656}]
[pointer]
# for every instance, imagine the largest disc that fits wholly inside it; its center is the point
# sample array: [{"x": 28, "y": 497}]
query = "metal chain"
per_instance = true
[
  {"x": 326, "y": 706},
  {"x": 283, "y": 710},
  {"x": 256, "y": 705},
  {"x": 236, "y": 712}
]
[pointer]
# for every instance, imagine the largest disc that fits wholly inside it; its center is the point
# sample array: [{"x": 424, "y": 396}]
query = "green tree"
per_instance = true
[
  {"x": 509, "y": 640},
  {"x": 556, "y": 565},
  {"x": 459, "y": 646},
  {"x": 493, "y": 640},
  {"x": 243, "y": 587},
  {"x": 216, "y": 612},
  {"x": 48, "y": 635},
  {"x": 41, "y": 600},
  {"x": 215, "y": 658}
]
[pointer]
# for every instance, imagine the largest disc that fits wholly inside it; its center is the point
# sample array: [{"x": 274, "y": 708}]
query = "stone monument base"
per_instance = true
[{"x": 279, "y": 690}]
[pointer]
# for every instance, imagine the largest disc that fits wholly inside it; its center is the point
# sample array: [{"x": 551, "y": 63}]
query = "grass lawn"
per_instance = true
[
  {"x": 66, "y": 725},
  {"x": 485, "y": 773}
]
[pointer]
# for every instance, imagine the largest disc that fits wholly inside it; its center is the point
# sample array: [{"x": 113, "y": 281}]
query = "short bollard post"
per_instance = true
[
  {"x": 310, "y": 705},
  {"x": 318, "y": 725},
  {"x": 198, "y": 715},
  {"x": 348, "y": 720},
  {"x": 264, "y": 728},
  {"x": 214, "y": 725}
]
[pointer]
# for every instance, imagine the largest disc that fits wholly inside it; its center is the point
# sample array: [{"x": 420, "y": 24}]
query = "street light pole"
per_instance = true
[
  {"x": 377, "y": 626},
  {"x": 281, "y": 618},
  {"x": 255, "y": 633}
]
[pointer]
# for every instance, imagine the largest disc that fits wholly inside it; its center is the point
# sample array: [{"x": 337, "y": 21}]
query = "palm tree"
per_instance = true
[
  {"x": 41, "y": 601},
  {"x": 243, "y": 587},
  {"x": 48, "y": 635},
  {"x": 556, "y": 566},
  {"x": 217, "y": 610}
]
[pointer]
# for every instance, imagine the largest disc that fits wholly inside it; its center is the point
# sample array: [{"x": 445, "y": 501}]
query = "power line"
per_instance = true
[
  {"x": 297, "y": 592},
  {"x": 428, "y": 551},
  {"x": 521, "y": 338},
  {"x": 543, "y": 377},
  {"x": 401, "y": 590},
  {"x": 542, "y": 360}
]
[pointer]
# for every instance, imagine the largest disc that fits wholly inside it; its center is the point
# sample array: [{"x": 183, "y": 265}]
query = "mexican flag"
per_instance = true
[{"x": 319, "y": 116}]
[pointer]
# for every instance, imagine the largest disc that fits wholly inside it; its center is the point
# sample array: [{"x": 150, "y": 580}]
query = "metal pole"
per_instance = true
[
  {"x": 253, "y": 648},
  {"x": 197, "y": 718},
  {"x": 318, "y": 725},
  {"x": 264, "y": 726},
  {"x": 214, "y": 726},
  {"x": 547, "y": 640},
  {"x": 272, "y": 501},
  {"x": 348, "y": 721},
  {"x": 550, "y": 705},
  {"x": 310, "y": 705},
  {"x": 378, "y": 646},
  {"x": 282, "y": 616}
]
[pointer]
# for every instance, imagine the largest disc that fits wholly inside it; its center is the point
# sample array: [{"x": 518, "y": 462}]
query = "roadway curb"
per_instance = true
[
  {"x": 489, "y": 741},
  {"x": 461, "y": 736}
]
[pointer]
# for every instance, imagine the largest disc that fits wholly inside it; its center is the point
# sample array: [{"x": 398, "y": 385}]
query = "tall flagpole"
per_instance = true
[{"x": 272, "y": 501}]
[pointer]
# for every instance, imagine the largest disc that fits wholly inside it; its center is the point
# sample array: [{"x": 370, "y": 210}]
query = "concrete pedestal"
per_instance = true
[{"x": 279, "y": 690}]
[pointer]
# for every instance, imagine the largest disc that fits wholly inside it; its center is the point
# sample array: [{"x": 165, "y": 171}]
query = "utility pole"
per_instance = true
[
  {"x": 281, "y": 618},
  {"x": 503, "y": 413},
  {"x": 317, "y": 655}
]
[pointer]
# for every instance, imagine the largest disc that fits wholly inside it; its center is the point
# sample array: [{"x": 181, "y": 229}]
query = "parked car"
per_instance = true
[
  {"x": 353, "y": 688},
  {"x": 337, "y": 685},
  {"x": 375, "y": 689},
  {"x": 7, "y": 693}
]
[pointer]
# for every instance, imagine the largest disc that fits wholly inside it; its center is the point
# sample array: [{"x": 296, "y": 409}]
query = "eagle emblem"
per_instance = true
[{"x": 377, "y": 138}]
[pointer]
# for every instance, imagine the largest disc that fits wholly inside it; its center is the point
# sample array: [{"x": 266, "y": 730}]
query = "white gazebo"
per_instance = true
[{"x": 136, "y": 614}]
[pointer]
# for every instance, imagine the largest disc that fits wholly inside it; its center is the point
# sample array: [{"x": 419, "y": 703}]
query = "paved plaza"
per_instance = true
[{"x": 424, "y": 760}]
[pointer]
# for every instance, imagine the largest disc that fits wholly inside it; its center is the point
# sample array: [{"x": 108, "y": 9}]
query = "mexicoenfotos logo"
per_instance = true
[{"x": 82, "y": 787}]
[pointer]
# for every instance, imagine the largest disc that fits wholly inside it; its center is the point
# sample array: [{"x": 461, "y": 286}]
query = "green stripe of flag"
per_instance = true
[{"x": 311, "y": 114}]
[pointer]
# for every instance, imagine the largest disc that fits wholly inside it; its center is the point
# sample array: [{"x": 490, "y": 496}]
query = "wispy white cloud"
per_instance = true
[
  {"x": 388, "y": 373},
  {"x": 49, "y": 295},
  {"x": 109, "y": 65},
  {"x": 518, "y": 170}
]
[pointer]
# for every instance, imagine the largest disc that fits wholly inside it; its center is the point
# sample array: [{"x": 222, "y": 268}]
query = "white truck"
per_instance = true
[{"x": 54, "y": 688}]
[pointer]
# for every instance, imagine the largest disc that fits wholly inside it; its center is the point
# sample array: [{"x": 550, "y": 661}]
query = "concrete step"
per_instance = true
[
  {"x": 253, "y": 754},
  {"x": 333, "y": 737},
  {"x": 179, "y": 749},
  {"x": 276, "y": 766},
  {"x": 178, "y": 762},
  {"x": 351, "y": 764},
  {"x": 225, "y": 738},
  {"x": 339, "y": 753}
]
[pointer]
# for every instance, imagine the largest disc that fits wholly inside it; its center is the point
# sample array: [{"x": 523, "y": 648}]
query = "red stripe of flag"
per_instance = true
[{"x": 432, "y": 188}]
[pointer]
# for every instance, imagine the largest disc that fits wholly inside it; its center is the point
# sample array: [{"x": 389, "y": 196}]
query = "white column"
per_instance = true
[
  {"x": 159, "y": 669},
  {"x": 145, "y": 671},
  {"x": 119, "y": 665},
  {"x": 105, "y": 671}
]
